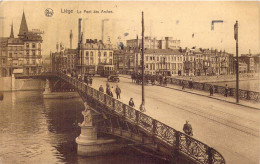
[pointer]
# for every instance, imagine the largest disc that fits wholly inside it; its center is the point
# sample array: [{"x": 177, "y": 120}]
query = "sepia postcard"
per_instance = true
[{"x": 112, "y": 82}]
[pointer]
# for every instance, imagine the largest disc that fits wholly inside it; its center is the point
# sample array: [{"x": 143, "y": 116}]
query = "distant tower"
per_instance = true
[
  {"x": 71, "y": 36},
  {"x": 23, "y": 28},
  {"x": 12, "y": 32}
]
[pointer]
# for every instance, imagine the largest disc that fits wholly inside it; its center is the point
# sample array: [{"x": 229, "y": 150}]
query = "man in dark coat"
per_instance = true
[
  {"x": 118, "y": 92},
  {"x": 211, "y": 90},
  {"x": 226, "y": 91},
  {"x": 187, "y": 129},
  {"x": 131, "y": 102},
  {"x": 101, "y": 89}
]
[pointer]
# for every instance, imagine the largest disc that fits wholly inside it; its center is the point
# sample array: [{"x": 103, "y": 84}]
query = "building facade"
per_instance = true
[
  {"x": 21, "y": 54},
  {"x": 153, "y": 43},
  {"x": 156, "y": 61},
  {"x": 199, "y": 62},
  {"x": 93, "y": 53}
]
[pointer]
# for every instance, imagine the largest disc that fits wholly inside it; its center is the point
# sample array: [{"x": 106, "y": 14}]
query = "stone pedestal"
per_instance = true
[
  {"x": 88, "y": 143},
  {"x": 47, "y": 89}
]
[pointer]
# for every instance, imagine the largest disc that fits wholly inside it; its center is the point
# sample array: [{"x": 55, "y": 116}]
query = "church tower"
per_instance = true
[
  {"x": 23, "y": 28},
  {"x": 12, "y": 32}
]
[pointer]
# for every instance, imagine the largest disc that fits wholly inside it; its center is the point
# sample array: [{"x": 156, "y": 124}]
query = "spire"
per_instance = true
[
  {"x": 23, "y": 28},
  {"x": 12, "y": 31}
]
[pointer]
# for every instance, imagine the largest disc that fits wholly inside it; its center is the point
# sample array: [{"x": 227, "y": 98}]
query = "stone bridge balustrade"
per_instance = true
[
  {"x": 133, "y": 125},
  {"x": 243, "y": 94},
  {"x": 121, "y": 120}
]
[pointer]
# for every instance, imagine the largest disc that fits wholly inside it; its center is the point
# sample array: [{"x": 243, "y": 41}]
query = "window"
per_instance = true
[
  {"x": 27, "y": 61},
  {"x": 34, "y": 62},
  {"x": 27, "y": 52},
  {"x": 110, "y": 54},
  {"x": 105, "y": 54},
  {"x": 3, "y": 61},
  {"x": 27, "y": 45},
  {"x": 33, "y": 52},
  {"x": 33, "y": 45},
  {"x": 91, "y": 53},
  {"x": 39, "y": 45},
  {"x": 10, "y": 54}
]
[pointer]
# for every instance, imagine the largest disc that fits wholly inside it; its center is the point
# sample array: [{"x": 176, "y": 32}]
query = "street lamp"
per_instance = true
[{"x": 142, "y": 106}]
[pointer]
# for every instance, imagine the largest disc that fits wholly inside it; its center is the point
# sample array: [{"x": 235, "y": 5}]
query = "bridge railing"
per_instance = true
[
  {"x": 243, "y": 94},
  {"x": 180, "y": 142}
]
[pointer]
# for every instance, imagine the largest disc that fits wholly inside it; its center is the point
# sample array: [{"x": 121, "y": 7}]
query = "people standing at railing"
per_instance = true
[
  {"x": 226, "y": 91},
  {"x": 191, "y": 83},
  {"x": 165, "y": 81},
  {"x": 182, "y": 84},
  {"x": 86, "y": 79},
  {"x": 101, "y": 89},
  {"x": 118, "y": 92},
  {"x": 131, "y": 102},
  {"x": 211, "y": 90},
  {"x": 187, "y": 128},
  {"x": 90, "y": 80}
]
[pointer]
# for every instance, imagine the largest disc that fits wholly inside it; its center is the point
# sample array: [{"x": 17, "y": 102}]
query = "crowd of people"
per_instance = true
[{"x": 149, "y": 79}]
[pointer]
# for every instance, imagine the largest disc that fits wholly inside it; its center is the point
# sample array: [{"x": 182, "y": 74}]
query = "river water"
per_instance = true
[{"x": 37, "y": 130}]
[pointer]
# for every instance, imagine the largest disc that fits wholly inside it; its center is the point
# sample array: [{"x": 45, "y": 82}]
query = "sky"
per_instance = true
[{"x": 177, "y": 19}]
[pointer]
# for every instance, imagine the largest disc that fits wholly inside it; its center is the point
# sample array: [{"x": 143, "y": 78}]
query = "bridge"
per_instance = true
[{"x": 115, "y": 118}]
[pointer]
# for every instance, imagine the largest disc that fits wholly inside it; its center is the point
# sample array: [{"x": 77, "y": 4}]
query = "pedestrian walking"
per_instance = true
[
  {"x": 101, "y": 89},
  {"x": 226, "y": 91},
  {"x": 107, "y": 85},
  {"x": 211, "y": 90},
  {"x": 110, "y": 92},
  {"x": 187, "y": 129},
  {"x": 90, "y": 80},
  {"x": 131, "y": 102},
  {"x": 118, "y": 92}
]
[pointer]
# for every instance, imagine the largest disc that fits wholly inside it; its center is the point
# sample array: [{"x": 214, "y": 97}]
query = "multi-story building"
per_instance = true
[
  {"x": 125, "y": 61},
  {"x": 153, "y": 43},
  {"x": 249, "y": 60},
  {"x": 22, "y": 54},
  {"x": 207, "y": 62},
  {"x": 64, "y": 60},
  {"x": 156, "y": 61},
  {"x": 93, "y": 53},
  {"x": 243, "y": 67}
]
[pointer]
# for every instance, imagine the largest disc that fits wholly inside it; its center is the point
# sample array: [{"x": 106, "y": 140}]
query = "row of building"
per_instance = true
[
  {"x": 169, "y": 59},
  {"x": 21, "y": 54}
]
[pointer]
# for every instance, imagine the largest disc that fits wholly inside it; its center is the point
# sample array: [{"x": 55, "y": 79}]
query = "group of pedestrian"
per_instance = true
[
  {"x": 109, "y": 90},
  {"x": 88, "y": 80}
]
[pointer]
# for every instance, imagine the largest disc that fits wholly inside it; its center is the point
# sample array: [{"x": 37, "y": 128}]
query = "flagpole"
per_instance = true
[{"x": 237, "y": 63}]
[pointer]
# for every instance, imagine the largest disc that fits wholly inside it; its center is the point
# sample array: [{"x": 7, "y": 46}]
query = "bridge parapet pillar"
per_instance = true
[{"x": 88, "y": 142}]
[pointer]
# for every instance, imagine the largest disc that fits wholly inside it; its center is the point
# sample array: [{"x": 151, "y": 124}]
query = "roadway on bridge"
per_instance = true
[{"x": 231, "y": 129}]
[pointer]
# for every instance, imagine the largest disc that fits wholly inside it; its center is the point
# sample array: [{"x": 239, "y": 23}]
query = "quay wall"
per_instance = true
[
  {"x": 20, "y": 84},
  {"x": 220, "y": 78}
]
